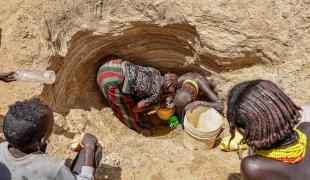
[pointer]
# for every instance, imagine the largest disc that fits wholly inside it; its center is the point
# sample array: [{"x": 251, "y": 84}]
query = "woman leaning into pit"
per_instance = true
[{"x": 130, "y": 89}]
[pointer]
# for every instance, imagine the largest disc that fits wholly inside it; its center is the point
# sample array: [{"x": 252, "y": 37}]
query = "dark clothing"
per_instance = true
[{"x": 145, "y": 82}]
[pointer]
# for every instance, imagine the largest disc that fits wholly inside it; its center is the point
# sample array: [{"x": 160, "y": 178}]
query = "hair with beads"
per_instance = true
[{"x": 265, "y": 113}]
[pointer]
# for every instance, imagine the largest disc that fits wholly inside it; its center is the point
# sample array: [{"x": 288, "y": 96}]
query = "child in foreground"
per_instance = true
[
  {"x": 27, "y": 126},
  {"x": 267, "y": 119}
]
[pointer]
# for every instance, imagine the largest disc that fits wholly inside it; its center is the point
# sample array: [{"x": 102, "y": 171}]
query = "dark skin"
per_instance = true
[
  {"x": 204, "y": 86},
  {"x": 147, "y": 128},
  {"x": 141, "y": 107},
  {"x": 260, "y": 168},
  {"x": 7, "y": 77},
  {"x": 89, "y": 142}
]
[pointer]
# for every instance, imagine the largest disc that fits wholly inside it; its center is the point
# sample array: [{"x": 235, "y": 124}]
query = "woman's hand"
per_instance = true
[
  {"x": 191, "y": 106},
  {"x": 140, "y": 107},
  {"x": 7, "y": 77}
]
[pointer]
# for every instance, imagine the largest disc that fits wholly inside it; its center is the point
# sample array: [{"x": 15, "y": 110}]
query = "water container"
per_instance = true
[
  {"x": 209, "y": 121},
  {"x": 204, "y": 138},
  {"x": 164, "y": 113},
  {"x": 43, "y": 76}
]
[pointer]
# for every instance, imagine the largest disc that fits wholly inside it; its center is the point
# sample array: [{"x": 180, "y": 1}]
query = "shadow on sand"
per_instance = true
[
  {"x": 234, "y": 176},
  {"x": 106, "y": 172}
]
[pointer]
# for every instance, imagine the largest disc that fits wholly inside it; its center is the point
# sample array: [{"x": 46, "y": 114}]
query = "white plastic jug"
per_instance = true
[
  {"x": 209, "y": 121},
  {"x": 43, "y": 76},
  {"x": 201, "y": 139}
]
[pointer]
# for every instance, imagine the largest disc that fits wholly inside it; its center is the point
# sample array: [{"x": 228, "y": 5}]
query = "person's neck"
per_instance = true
[
  {"x": 18, "y": 153},
  {"x": 287, "y": 141}
]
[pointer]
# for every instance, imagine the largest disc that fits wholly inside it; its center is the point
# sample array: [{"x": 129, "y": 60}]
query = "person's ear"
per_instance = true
[
  {"x": 43, "y": 145},
  {"x": 42, "y": 140}
]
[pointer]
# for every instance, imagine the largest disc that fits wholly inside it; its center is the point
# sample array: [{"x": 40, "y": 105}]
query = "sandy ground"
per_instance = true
[{"x": 35, "y": 31}]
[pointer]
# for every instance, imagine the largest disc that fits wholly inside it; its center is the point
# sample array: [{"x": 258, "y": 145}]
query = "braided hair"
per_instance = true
[{"x": 265, "y": 113}]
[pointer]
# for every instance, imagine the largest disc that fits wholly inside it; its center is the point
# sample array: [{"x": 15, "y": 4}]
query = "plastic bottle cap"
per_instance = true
[{"x": 173, "y": 119}]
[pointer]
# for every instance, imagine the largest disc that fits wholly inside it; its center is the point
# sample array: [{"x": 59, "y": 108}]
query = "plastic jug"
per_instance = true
[{"x": 43, "y": 76}]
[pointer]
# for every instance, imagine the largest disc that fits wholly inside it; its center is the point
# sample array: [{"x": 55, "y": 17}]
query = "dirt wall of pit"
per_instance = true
[
  {"x": 230, "y": 41},
  {"x": 214, "y": 37}
]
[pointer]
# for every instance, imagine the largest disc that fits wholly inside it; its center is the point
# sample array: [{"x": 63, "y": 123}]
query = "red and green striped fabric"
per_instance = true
[{"x": 115, "y": 88}]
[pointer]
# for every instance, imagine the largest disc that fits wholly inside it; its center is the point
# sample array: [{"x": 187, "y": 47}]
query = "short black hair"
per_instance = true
[
  {"x": 184, "y": 96},
  {"x": 170, "y": 83},
  {"x": 263, "y": 110},
  {"x": 26, "y": 122}
]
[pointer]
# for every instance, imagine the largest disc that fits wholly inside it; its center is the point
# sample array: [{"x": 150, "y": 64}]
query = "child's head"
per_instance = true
[
  {"x": 27, "y": 123},
  {"x": 262, "y": 111},
  {"x": 170, "y": 83},
  {"x": 184, "y": 96}
]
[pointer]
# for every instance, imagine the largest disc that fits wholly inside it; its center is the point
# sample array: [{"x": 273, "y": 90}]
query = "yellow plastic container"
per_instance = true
[
  {"x": 234, "y": 144},
  {"x": 164, "y": 113}
]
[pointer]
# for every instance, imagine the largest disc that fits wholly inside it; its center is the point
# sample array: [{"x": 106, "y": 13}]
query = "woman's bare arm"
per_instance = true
[
  {"x": 141, "y": 107},
  {"x": 219, "y": 106},
  {"x": 204, "y": 86}
]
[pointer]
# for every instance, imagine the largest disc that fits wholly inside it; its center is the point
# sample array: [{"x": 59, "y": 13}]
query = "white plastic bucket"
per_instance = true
[{"x": 202, "y": 138}]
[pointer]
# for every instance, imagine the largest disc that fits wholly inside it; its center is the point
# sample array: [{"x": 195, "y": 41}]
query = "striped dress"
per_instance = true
[{"x": 113, "y": 83}]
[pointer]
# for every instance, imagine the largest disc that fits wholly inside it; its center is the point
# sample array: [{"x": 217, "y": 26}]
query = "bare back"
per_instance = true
[{"x": 260, "y": 168}]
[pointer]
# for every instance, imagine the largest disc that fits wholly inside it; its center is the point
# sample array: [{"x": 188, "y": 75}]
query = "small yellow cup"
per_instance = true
[{"x": 164, "y": 113}]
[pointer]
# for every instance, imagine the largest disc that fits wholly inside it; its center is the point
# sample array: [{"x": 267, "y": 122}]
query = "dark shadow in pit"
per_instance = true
[
  {"x": 234, "y": 176},
  {"x": 107, "y": 172},
  {"x": 162, "y": 130},
  {"x": 172, "y": 48},
  {"x": 162, "y": 127}
]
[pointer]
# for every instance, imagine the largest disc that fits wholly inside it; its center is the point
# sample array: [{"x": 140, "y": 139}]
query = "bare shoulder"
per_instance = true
[
  {"x": 260, "y": 168},
  {"x": 250, "y": 167},
  {"x": 304, "y": 127},
  {"x": 186, "y": 76}
]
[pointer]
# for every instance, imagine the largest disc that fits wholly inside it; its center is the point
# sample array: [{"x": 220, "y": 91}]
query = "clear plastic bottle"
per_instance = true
[{"x": 43, "y": 76}]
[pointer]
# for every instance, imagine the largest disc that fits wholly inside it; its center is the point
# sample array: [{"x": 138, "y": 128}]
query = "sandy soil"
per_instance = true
[{"x": 214, "y": 37}]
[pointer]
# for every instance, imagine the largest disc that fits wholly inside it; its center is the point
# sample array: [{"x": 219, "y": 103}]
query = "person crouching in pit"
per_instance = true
[
  {"x": 131, "y": 89},
  {"x": 27, "y": 126},
  {"x": 267, "y": 117},
  {"x": 191, "y": 87}
]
